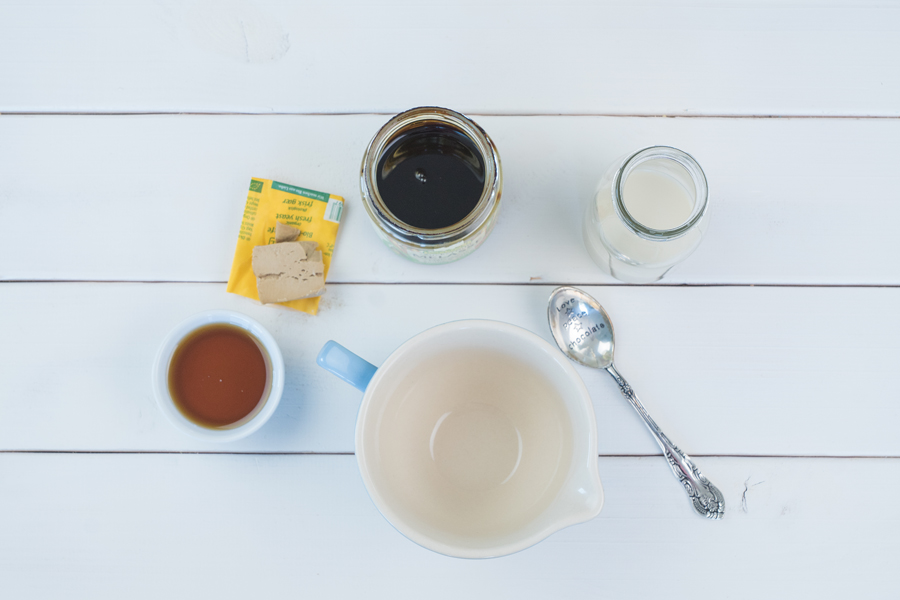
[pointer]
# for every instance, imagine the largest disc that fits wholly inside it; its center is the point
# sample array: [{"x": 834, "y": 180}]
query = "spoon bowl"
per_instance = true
[{"x": 581, "y": 327}]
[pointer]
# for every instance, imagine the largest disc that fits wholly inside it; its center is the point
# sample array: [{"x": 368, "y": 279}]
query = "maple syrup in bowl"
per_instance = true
[
  {"x": 431, "y": 183},
  {"x": 218, "y": 376}
]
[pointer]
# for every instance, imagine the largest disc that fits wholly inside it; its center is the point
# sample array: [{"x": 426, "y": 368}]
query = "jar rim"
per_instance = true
[
  {"x": 416, "y": 117},
  {"x": 701, "y": 191}
]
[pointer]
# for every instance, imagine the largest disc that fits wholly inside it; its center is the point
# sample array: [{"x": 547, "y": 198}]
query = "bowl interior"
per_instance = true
[{"x": 471, "y": 437}]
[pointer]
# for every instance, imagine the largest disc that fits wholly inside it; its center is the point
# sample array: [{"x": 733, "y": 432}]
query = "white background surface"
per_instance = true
[{"x": 770, "y": 355}]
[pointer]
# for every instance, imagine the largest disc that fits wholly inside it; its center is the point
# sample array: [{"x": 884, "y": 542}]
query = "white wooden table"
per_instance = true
[{"x": 129, "y": 132}]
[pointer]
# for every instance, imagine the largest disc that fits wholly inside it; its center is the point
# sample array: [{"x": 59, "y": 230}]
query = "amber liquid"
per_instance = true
[
  {"x": 431, "y": 177},
  {"x": 219, "y": 376}
]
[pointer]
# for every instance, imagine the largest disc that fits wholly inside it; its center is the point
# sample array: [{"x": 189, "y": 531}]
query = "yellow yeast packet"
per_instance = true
[{"x": 316, "y": 214}]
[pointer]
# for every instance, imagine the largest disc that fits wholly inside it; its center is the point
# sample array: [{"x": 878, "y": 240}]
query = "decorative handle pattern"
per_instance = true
[{"x": 706, "y": 498}]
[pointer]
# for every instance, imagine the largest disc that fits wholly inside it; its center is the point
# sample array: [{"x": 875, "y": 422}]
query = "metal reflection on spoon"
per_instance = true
[{"x": 583, "y": 331}]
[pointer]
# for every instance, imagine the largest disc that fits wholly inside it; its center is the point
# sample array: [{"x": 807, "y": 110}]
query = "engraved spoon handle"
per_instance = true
[{"x": 706, "y": 498}]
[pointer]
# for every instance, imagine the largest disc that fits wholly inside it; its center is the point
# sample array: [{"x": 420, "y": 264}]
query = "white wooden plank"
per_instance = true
[
  {"x": 735, "y": 371},
  {"x": 161, "y": 198},
  {"x": 151, "y": 526},
  {"x": 737, "y": 57}
]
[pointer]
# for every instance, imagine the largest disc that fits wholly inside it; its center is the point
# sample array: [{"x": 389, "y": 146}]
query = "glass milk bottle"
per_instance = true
[{"x": 648, "y": 215}]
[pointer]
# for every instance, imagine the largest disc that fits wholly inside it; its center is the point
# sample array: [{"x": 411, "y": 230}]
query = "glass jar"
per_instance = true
[
  {"x": 449, "y": 241},
  {"x": 649, "y": 214}
]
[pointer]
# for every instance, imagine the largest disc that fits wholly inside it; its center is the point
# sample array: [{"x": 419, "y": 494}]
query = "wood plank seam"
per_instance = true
[
  {"x": 536, "y": 282},
  {"x": 472, "y": 114},
  {"x": 284, "y": 453}
]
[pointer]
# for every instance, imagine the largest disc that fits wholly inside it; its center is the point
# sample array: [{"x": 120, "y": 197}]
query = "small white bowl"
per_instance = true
[{"x": 161, "y": 376}]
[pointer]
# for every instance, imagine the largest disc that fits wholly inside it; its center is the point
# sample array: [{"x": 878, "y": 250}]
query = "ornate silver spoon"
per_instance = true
[{"x": 583, "y": 331}]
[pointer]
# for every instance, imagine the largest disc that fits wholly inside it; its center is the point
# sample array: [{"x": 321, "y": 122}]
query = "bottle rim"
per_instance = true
[{"x": 701, "y": 192}]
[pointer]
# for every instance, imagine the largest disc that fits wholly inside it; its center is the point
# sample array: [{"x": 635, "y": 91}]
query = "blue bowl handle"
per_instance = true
[{"x": 346, "y": 365}]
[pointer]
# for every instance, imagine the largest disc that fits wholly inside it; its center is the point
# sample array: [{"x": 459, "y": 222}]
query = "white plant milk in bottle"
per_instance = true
[{"x": 648, "y": 214}]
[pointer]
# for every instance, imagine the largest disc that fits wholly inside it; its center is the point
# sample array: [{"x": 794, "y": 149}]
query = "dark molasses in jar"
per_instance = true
[
  {"x": 431, "y": 183},
  {"x": 431, "y": 177}
]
